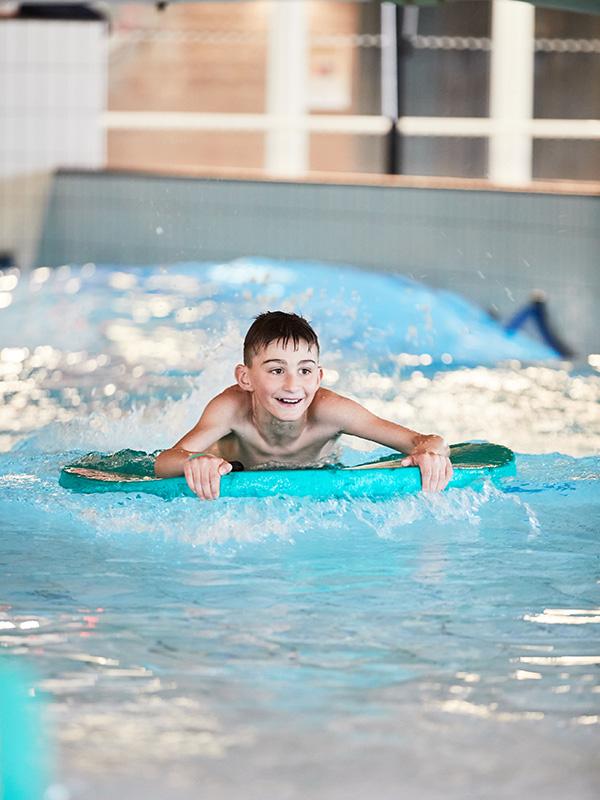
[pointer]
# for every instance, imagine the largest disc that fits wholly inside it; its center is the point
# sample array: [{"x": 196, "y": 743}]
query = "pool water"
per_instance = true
[{"x": 441, "y": 646}]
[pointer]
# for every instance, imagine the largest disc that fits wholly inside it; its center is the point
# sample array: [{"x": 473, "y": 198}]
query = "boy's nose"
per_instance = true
[{"x": 290, "y": 382}]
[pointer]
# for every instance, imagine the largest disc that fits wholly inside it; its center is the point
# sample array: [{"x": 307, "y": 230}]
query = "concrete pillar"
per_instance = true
[
  {"x": 287, "y": 143},
  {"x": 511, "y": 92},
  {"x": 389, "y": 62}
]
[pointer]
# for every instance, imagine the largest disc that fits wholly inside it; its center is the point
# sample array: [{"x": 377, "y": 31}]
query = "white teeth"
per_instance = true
[{"x": 289, "y": 402}]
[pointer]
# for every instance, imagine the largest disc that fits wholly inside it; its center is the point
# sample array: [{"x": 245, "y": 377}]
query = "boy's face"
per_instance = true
[{"x": 284, "y": 380}]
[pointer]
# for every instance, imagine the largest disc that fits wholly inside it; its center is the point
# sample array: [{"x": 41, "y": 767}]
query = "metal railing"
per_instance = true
[{"x": 369, "y": 125}]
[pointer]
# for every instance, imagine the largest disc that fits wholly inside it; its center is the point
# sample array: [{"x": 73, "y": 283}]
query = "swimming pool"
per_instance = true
[{"x": 442, "y": 646}]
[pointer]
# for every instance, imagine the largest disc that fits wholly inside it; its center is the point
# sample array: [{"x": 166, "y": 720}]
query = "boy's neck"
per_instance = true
[{"x": 276, "y": 431}]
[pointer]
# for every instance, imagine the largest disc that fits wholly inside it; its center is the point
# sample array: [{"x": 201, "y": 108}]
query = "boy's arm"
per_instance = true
[
  {"x": 429, "y": 452},
  {"x": 215, "y": 422}
]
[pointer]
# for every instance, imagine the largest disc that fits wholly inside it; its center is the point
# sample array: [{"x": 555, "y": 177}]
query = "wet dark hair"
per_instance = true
[{"x": 277, "y": 326}]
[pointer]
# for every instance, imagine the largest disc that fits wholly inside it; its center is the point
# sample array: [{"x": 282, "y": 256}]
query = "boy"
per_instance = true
[{"x": 278, "y": 412}]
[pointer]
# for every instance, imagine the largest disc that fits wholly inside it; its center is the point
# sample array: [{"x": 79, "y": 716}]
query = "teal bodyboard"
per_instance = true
[{"x": 133, "y": 471}]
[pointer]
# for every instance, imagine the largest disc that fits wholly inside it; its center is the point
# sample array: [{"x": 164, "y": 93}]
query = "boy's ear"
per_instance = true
[{"x": 243, "y": 378}]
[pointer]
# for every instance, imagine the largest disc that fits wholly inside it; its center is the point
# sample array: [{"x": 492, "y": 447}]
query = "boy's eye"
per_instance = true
[
  {"x": 306, "y": 371},
  {"x": 276, "y": 371}
]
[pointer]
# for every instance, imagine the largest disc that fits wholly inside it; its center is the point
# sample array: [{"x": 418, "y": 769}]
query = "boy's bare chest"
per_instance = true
[{"x": 252, "y": 449}]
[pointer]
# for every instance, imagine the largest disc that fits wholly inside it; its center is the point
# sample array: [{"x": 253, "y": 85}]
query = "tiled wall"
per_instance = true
[
  {"x": 494, "y": 247},
  {"x": 52, "y": 92}
]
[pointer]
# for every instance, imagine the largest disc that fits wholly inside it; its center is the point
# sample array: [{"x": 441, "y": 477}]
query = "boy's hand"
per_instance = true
[
  {"x": 203, "y": 475},
  {"x": 431, "y": 457},
  {"x": 436, "y": 470}
]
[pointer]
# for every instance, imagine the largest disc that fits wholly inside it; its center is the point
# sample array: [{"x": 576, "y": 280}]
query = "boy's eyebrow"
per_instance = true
[{"x": 282, "y": 361}]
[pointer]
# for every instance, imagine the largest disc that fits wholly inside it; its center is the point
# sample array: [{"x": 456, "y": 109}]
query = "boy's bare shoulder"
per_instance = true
[
  {"x": 329, "y": 406},
  {"x": 231, "y": 402},
  {"x": 233, "y": 393}
]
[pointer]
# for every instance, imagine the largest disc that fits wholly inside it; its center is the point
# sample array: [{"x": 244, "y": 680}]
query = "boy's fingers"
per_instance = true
[
  {"x": 194, "y": 477},
  {"x": 200, "y": 485},
  {"x": 214, "y": 478},
  {"x": 449, "y": 472},
  {"x": 445, "y": 473},
  {"x": 436, "y": 471},
  {"x": 431, "y": 479},
  {"x": 438, "y": 475},
  {"x": 200, "y": 480},
  {"x": 442, "y": 475},
  {"x": 215, "y": 482},
  {"x": 207, "y": 482},
  {"x": 435, "y": 477},
  {"x": 442, "y": 479},
  {"x": 189, "y": 476},
  {"x": 426, "y": 477}
]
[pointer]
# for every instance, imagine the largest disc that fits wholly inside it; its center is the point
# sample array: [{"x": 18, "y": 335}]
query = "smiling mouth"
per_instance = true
[{"x": 287, "y": 402}]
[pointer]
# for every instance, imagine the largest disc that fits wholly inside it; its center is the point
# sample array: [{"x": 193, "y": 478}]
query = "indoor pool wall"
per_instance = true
[{"x": 494, "y": 247}]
